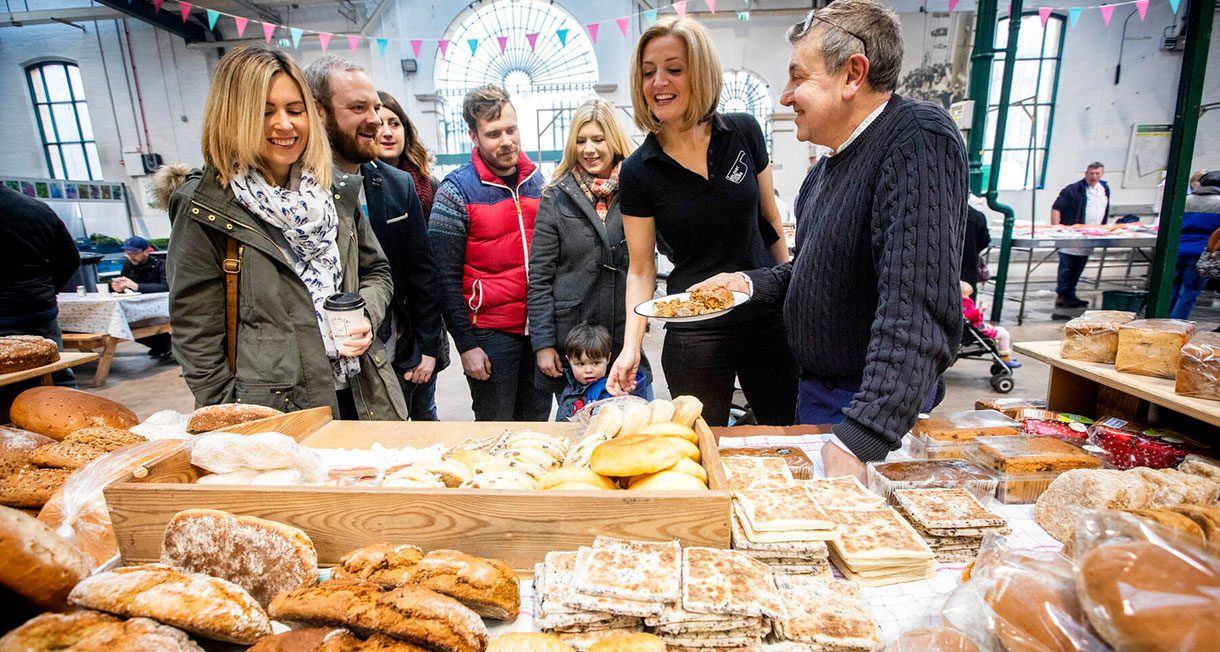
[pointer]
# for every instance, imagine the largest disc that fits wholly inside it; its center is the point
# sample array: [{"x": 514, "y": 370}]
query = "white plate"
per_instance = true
[{"x": 649, "y": 307}]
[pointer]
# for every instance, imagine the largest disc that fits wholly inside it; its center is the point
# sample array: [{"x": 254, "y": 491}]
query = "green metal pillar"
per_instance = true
[
  {"x": 1181, "y": 151},
  {"x": 981, "y": 59}
]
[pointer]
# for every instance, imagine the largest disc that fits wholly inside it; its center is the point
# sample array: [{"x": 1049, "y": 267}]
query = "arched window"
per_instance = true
[
  {"x": 63, "y": 120},
  {"x": 546, "y": 81},
  {"x": 746, "y": 92},
  {"x": 1031, "y": 109}
]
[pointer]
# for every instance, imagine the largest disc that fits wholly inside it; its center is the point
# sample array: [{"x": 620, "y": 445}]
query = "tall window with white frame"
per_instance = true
[
  {"x": 1031, "y": 108},
  {"x": 746, "y": 92},
  {"x": 63, "y": 120}
]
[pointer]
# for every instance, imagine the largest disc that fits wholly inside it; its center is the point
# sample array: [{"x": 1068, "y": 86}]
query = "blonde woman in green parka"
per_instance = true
[{"x": 268, "y": 184}]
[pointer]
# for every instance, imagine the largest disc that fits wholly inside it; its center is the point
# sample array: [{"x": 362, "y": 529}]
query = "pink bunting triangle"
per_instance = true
[
  {"x": 533, "y": 40},
  {"x": 711, "y": 5},
  {"x": 241, "y": 25},
  {"x": 623, "y": 23},
  {"x": 416, "y": 44},
  {"x": 592, "y": 32},
  {"x": 268, "y": 30},
  {"x": 1142, "y": 6},
  {"x": 324, "y": 37},
  {"x": 680, "y": 7},
  {"x": 352, "y": 42},
  {"x": 1045, "y": 14},
  {"x": 157, "y": 5},
  {"x": 1106, "y": 12},
  {"x": 953, "y": 5},
  {"x": 444, "y": 46},
  {"x": 185, "y": 7},
  {"x": 503, "y": 41}
]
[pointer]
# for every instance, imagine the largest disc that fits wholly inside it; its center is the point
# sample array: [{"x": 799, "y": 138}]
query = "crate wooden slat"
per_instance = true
[{"x": 519, "y": 527}]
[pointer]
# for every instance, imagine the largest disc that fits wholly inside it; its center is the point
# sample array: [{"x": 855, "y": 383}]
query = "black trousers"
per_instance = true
[{"x": 705, "y": 362}]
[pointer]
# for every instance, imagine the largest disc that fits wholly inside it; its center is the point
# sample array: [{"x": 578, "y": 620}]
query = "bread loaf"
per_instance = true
[
  {"x": 638, "y": 642},
  {"x": 528, "y": 642},
  {"x": 633, "y": 455},
  {"x": 200, "y": 604},
  {"x": 1093, "y": 336},
  {"x": 22, "y": 352},
  {"x": 57, "y": 411},
  {"x": 385, "y": 564},
  {"x": 263, "y": 557},
  {"x": 1199, "y": 367},
  {"x": 328, "y": 639},
  {"x": 16, "y": 445},
  {"x": 83, "y": 446},
  {"x": 92, "y": 631},
  {"x": 36, "y": 563},
  {"x": 1152, "y": 347},
  {"x": 29, "y": 486},
  {"x": 487, "y": 586},
  {"x": 219, "y": 417},
  {"x": 1036, "y": 612}
]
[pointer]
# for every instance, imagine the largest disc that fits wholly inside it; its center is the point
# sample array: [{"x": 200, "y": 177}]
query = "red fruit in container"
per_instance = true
[
  {"x": 1056, "y": 428},
  {"x": 1131, "y": 444}
]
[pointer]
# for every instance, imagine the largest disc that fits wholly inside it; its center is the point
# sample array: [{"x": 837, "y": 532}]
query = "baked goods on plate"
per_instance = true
[{"x": 692, "y": 306}]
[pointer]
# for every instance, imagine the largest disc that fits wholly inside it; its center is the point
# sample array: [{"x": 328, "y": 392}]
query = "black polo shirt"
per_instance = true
[{"x": 711, "y": 225}]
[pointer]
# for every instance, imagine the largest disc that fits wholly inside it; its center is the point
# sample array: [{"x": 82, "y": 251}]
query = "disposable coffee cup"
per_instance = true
[
  {"x": 81, "y": 292},
  {"x": 103, "y": 289},
  {"x": 344, "y": 312}
]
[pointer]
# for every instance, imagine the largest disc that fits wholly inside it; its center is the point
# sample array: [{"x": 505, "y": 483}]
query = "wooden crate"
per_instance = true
[{"x": 519, "y": 527}]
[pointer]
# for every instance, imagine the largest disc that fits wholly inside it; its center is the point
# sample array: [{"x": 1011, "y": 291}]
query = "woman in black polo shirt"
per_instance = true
[{"x": 699, "y": 181}]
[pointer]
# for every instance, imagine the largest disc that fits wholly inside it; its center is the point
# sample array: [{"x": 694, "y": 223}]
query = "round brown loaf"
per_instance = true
[
  {"x": 639, "y": 642},
  {"x": 22, "y": 352},
  {"x": 17, "y": 444},
  {"x": 489, "y": 587},
  {"x": 633, "y": 455},
  {"x": 57, "y": 411},
  {"x": 219, "y": 417},
  {"x": 1150, "y": 598},
  {"x": 36, "y": 563},
  {"x": 51, "y": 631},
  {"x": 528, "y": 642},
  {"x": 1035, "y": 612},
  {"x": 310, "y": 639},
  {"x": 385, "y": 564}
]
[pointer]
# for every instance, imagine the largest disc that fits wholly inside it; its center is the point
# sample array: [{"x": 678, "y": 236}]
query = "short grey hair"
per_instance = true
[
  {"x": 1094, "y": 165},
  {"x": 317, "y": 75},
  {"x": 877, "y": 25}
]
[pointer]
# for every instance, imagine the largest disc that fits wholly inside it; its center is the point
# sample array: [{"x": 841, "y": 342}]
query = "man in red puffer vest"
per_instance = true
[{"x": 481, "y": 225}]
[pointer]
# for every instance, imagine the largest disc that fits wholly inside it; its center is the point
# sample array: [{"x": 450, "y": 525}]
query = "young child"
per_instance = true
[
  {"x": 588, "y": 350},
  {"x": 974, "y": 314}
]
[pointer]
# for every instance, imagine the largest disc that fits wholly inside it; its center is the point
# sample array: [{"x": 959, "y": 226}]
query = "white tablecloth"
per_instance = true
[{"x": 111, "y": 314}]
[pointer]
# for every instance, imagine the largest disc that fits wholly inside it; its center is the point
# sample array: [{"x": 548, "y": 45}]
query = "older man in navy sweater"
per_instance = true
[{"x": 872, "y": 302}]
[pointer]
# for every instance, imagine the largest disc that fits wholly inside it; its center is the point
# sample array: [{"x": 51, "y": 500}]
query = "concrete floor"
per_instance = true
[{"x": 147, "y": 386}]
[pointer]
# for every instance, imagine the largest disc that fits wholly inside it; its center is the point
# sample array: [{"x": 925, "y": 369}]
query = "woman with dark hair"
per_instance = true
[{"x": 400, "y": 147}]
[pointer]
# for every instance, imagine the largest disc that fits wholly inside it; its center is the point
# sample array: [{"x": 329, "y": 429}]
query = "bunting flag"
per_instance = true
[
  {"x": 185, "y": 7},
  {"x": 711, "y": 5},
  {"x": 352, "y": 42},
  {"x": 157, "y": 5},
  {"x": 650, "y": 16},
  {"x": 1073, "y": 16},
  {"x": 296, "y": 36},
  {"x": 416, "y": 44},
  {"x": 563, "y": 36},
  {"x": 1106, "y": 12},
  {"x": 324, "y": 37},
  {"x": 444, "y": 46},
  {"x": 503, "y": 41},
  {"x": 212, "y": 16},
  {"x": 592, "y": 27},
  {"x": 1174, "y": 5},
  {"x": 533, "y": 40},
  {"x": 474, "y": 45},
  {"x": 381, "y": 43},
  {"x": 953, "y": 5},
  {"x": 268, "y": 30},
  {"x": 1142, "y": 7},
  {"x": 241, "y": 25},
  {"x": 1044, "y": 13},
  {"x": 680, "y": 7},
  {"x": 623, "y": 23}
]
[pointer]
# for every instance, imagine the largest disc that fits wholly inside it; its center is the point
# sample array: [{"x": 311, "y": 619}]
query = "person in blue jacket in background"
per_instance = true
[
  {"x": 588, "y": 349},
  {"x": 1200, "y": 220}
]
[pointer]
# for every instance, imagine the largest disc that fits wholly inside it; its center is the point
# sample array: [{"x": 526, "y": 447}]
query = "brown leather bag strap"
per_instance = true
[{"x": 232, "y": 268}]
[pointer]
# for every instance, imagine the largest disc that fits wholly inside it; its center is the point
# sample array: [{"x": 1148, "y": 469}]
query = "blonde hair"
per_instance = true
[
  {"x": 702, "y": 65},
  {"x": 233, "y": 117},
  {"x": 603, "y": 113}
]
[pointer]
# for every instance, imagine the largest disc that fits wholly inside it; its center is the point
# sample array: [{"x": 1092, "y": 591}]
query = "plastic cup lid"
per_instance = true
[{"x": 341, "y": 301}]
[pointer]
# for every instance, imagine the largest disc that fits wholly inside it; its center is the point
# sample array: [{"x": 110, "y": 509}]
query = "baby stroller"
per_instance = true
[{"x": 976, "y": 346}]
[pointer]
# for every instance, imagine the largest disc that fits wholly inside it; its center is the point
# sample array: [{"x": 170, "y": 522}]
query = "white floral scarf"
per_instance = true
[{"x": 307, "y": 218}]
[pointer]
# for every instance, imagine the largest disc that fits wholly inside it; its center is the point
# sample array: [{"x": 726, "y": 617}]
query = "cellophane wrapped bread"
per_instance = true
[
  {"x": 1093, "y": 336},
  {"x": 1199, "y": 367},
  {"x": 1151, "y": 347},
  {"x": 1145, "y": 587}
]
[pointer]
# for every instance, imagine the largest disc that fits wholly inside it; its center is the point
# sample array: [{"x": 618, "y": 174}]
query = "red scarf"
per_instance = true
[
  {"x": 423, "y": 186},
  {"x": 599, "y": 191}
]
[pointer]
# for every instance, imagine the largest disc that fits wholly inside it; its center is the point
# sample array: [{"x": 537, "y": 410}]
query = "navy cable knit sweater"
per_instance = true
[{"x": 872, "y": 295}]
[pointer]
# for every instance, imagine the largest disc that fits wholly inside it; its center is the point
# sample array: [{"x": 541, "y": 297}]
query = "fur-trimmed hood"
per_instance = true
[{"x": 167, "y": 180}]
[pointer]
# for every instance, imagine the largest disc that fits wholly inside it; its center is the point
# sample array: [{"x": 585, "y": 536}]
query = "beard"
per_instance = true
[{"x": 347, "y": 146}]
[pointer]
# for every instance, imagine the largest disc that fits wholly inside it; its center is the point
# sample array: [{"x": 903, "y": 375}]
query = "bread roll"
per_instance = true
[
  {"x": 578, "y": 455},
  {"x": 200, "y": 604},
  {"x": 487, "y": 586},
  {"x": 501, "y": 480},
  {"x": 386, "y": 564},
  {"x": 633, "y": 455},
  {"x": 575, "y": 486},
  {"x": 263, "y": 557},
  {"x": 638, "y": 642},
  {"x": 528, "y": 642},
  {"x": 506, "y": 465},
  {"x": 92, "y": 631},
  {"x": 691, "y": 468},
  {"x": 36, "y": 563},
  {"x": 412, "y": 476},
  {"x": 635, "y": 417},
  {"x": 1035, "y": 612},
  {"x": 669, "y": 429},
  {"x": 668, "y": 481},
  {"x": 685, "y": 448},
  {"x": 468, "y": 458},
  {"x": 686, "y": 410},
  {"x": 219, "y": 417},
  {"x": 660, "y": 411},
  {"x": 608, "y": 421},
  {"x": 1143, "y": 596},
  {"x": 57, "y": 411},
  {"x": 575, "y": 475}
]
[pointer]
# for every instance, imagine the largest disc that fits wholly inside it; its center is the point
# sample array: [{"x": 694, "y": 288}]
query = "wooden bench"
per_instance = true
[{"x": 93, "y": 341}]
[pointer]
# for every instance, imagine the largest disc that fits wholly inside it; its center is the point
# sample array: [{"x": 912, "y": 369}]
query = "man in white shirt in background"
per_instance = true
[{"x": 1085, "y": 202}]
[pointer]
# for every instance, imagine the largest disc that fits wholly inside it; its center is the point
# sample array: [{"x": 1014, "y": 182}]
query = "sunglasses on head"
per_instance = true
[{"x": 810, "y": 17}]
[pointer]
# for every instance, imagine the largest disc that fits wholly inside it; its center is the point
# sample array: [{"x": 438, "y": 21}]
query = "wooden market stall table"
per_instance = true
[
  {"x": 1095, "y": 389},
  {"x": 98, "y": 322}
]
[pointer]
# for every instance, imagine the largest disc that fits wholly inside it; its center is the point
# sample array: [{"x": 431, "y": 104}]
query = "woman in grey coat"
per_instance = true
[{"x": 578, "y": 255}]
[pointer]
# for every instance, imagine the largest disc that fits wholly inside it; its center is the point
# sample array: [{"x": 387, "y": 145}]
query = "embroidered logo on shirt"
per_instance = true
[{"x": 738, "y": 171}]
